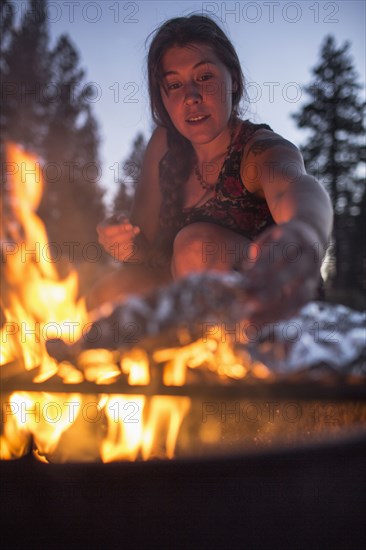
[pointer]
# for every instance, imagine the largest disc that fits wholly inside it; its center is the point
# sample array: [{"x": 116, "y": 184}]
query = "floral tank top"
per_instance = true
[{"x": 233, "y": 206}]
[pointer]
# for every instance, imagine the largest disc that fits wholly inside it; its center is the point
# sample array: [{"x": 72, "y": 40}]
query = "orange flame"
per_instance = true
[{"x": 39, "y": 305}]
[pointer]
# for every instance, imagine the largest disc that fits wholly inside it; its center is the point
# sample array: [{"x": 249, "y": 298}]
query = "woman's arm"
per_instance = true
[
  {"x": 147, "y": 200},
  {"x": 276, "y": 171},
  {"x": 286, "y": 257},
  {"x": 146, "y": 205},
  {"x": 129, "y": 239}
]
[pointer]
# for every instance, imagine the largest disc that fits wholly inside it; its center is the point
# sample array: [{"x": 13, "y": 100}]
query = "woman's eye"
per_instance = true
[
  {"x": 173, "y": 86},
  {"x": 205, "y": 76}
]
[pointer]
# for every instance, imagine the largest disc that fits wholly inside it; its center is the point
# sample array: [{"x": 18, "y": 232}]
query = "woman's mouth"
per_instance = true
[{"x": 197, "y": 119}]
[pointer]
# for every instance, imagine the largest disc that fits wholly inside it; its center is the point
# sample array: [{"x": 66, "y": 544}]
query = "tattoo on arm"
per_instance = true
[{"x": 262, "y": 145}]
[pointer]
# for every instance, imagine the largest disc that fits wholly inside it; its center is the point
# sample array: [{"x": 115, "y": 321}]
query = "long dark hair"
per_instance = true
[{"x": 178, "y": 163}]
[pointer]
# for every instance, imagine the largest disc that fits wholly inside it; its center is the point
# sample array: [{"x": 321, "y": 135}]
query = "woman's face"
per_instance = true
[{"x": 196, "y": 92}]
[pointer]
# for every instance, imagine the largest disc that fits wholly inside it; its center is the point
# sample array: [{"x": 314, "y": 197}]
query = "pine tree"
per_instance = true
[
  {"x": 131, "y": 174},
  {"x": 335, "y": 148},
  {"x": 46, "y": 108},
  {"x": 72, "y": 204},
  {"x": 6, "y": 25},
  {"x": 25, "y": 73}
]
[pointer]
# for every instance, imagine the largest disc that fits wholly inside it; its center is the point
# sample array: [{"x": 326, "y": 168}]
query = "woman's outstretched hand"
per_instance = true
[
  {"x": 116, "y": 234},
  {"x": 283, "y": 268}
]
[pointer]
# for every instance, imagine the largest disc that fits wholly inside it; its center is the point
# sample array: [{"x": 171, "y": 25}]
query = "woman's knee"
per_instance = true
[
  {"x": 202, "y": 246},
  {"x": 190, "y": 238}
]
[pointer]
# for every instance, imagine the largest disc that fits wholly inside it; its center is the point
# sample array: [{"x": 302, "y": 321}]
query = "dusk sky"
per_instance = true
[{"x": 277, "y": 42}]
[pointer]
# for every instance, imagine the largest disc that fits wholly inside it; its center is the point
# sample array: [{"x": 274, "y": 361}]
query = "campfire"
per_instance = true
[{"x": 171, "y": 374}]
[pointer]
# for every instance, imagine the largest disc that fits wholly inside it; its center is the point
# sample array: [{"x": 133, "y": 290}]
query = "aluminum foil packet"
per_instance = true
[{"x": 321, "y": 336}]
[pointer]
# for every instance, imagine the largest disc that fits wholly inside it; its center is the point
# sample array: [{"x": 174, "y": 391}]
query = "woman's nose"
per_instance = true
[{"x": 193, "y": 94}]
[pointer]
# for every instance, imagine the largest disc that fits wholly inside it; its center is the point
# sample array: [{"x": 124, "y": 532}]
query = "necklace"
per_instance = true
[{"x": 204, "y": 184}]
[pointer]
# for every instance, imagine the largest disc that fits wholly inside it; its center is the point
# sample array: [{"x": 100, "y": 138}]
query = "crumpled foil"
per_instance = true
[
  {"x": 321, "y": 336},
  {"x": 325, "y": 337}
]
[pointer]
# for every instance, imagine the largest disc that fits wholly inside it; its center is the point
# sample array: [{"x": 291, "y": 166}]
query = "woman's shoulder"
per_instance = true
[
  {"x": 249, "y": 130},
  {"x": 257, "y": 138}
]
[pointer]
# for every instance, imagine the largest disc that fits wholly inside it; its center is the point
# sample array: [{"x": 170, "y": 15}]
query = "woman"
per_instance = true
[{"x": 218, "y": 192}]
